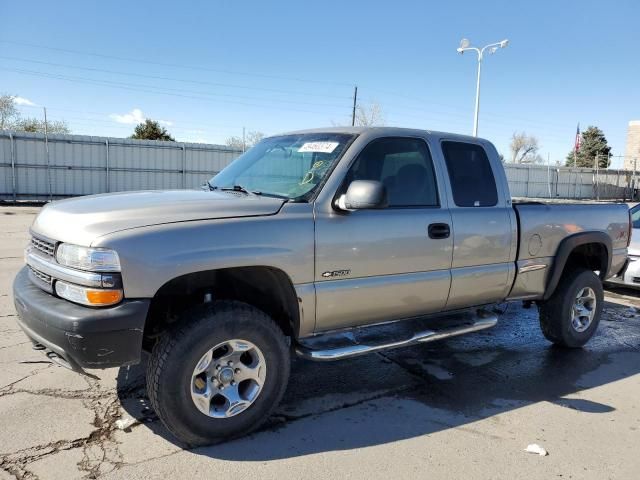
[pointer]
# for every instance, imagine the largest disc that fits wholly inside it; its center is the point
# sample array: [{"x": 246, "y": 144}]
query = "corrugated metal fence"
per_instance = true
[
  {"x": 68, "y": 165},
  {"x": 540, "y": 181}
]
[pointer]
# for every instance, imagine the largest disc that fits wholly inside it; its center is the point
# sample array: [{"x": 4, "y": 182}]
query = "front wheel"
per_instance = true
[
  {"x": 570, "y": 317},
  {"x": 218, "y": 374}
]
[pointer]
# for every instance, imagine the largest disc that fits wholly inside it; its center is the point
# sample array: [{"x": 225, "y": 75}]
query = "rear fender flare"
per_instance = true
[{"x": 566, "y": 247}]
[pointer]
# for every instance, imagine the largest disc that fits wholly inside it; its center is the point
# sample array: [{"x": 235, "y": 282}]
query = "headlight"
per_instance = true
[
  {"x": 87, "y": 296},
  {"x": 85, "y": 258}
]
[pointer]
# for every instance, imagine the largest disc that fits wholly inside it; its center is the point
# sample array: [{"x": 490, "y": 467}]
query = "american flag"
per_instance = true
[{"x": 576, "y": 147}]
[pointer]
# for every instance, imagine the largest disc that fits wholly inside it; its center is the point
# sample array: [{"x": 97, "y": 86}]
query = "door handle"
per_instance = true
[{"x": 439, "y": 230}]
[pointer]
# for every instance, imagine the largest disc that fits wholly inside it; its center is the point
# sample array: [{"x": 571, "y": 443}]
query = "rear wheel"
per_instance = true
[
  {"x": 219, "y": 373},
  {"x": 571, "y": 316}
]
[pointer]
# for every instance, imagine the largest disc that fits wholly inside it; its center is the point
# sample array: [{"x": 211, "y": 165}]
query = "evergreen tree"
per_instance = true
[
  {"x": 592, "y": 143},
  {"x": 151, "y": 130}
]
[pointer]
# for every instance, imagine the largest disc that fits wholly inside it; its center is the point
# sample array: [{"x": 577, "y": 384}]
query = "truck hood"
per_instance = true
[{"x": 82, "y": 220}]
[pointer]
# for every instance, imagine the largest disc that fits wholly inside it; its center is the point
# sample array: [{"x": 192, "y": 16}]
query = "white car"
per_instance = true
[{"x": 630, "y": 276}]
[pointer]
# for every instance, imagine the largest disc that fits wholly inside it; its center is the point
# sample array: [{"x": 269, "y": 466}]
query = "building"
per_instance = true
[{"x": 632, "y": 152}]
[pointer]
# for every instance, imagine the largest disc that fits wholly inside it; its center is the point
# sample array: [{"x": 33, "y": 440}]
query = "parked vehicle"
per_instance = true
[
  {"x": 306, "y": 237},
  {"x": 630, "y": 275}
]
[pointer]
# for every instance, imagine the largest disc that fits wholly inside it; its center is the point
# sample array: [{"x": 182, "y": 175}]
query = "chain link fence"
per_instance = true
[{"x": 35, "y": 167}]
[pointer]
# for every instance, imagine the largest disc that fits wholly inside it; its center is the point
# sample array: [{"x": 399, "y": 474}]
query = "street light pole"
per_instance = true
[
  {"x": 477, "y": 109},
  {"x": 493, "y": 47}
]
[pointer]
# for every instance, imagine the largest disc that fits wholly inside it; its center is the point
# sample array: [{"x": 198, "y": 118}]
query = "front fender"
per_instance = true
[{"x": 151, "y": 256}]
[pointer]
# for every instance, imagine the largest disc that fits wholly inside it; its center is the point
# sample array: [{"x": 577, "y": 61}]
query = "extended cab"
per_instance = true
[{"x": 306, "y": 236}]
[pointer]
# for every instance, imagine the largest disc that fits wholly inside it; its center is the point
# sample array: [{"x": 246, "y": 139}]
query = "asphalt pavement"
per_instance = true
[{"x": 461, "y": 408}]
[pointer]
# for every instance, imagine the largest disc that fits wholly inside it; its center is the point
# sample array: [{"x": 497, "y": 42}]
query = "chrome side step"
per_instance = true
[{"x": 339, "y": 352}]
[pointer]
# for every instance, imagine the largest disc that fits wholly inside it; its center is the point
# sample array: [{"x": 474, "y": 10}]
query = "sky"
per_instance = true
[{"x": 208, "y": 69}]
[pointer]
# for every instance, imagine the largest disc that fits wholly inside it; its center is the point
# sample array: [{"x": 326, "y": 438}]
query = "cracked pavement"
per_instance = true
[{"x": 463, "y": 407}]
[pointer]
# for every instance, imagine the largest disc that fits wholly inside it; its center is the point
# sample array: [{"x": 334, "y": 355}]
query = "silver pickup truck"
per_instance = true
[{"x": 329, "y": 243}]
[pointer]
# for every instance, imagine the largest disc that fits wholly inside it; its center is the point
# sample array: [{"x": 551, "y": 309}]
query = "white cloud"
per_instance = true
[
  {"x": 134, "y": 116},
  {"x": 23, "y": 101}
]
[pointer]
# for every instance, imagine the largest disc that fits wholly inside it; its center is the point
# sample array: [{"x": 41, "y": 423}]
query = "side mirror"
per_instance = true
[{"x": 364, "y": 194}]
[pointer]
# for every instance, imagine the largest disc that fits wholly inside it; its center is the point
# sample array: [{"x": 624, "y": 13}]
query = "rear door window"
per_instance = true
[{"x": 470, "y": 174}]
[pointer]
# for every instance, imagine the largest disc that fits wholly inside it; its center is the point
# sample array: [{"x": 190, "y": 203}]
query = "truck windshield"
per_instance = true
[{"x": 288, "y": 166}]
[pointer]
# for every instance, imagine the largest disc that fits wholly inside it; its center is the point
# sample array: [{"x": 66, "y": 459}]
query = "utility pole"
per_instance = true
[
  {"x": 633, "y": 183},
  {"x": 46, "y": 149},
  {"x": 549, "y": 173},
  {"x": 597, "y": 164},
  {"x": 355, "y": 101}
]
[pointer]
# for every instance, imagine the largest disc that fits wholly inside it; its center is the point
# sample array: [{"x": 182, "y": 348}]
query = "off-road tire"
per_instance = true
[
  {"x": 556, "y": 312},
  {"x": 174, "y": 357}
]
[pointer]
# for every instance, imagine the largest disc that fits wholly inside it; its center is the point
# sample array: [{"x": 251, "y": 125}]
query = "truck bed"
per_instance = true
[{"x": 543, "y": 227}]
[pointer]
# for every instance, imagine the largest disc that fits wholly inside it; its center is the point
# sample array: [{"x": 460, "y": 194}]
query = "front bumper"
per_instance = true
[{"x": 80, "y": 337}]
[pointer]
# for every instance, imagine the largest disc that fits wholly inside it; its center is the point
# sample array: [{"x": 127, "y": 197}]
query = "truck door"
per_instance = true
[
  {"x": 484, "y": 246},
  {"x": 387, "y": 264}
]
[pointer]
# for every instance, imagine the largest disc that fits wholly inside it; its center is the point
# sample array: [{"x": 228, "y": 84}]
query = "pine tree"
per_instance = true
[
  {"x": 592, "y": 143},
  {"x": 151, "y": 130}
]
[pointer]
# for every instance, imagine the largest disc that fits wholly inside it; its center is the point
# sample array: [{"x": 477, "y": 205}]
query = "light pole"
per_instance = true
[{"x": 465, "y": 45}]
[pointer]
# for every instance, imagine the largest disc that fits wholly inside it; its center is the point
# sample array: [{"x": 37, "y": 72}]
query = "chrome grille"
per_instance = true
[
  {"x": 43, "y": 246},
  {"x": 40, "y": 278}
]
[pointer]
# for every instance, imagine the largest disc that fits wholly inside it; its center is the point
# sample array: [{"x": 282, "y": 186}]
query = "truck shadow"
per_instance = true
[{"x": 407, "y": 393}]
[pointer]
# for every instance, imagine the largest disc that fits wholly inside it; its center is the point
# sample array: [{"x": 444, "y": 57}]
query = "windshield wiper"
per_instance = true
[
  {"x": 237, "y": 188},
  {"x": 240, "y": 188}
]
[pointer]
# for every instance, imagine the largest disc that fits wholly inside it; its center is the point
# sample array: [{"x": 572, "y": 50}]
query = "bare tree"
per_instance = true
[
  {"x": 369, "y": 115},
  {"x": 8, "y": 112},
  {"x": 35, "y": 125},
  {"x": 524, "y": 148},
  {"x": 250, "y": 139},
  {"x": 10, "y": 119}
]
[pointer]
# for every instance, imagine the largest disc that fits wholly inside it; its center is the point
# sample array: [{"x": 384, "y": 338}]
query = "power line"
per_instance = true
[
  {"x": 456, "y": 112},
  {"x": 165, "y": 91},
  {"x": 463, "y": 110},
  {"x": 248, "y": 74},
  {"x": 111, "y": 124},
  {"x": 101, "y": 125},
  {"x": 424, "y": 120},
  {"x": 174, "y": 79},
  {"x": 156, "y": 89},
  {"x": 195, "y": 92},
  {"x": 174, "y": 65},
  {"x": 103, "y": 116}
]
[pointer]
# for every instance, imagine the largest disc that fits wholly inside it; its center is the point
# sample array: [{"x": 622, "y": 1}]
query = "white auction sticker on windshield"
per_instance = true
[{"x": 318, "y": 147}]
